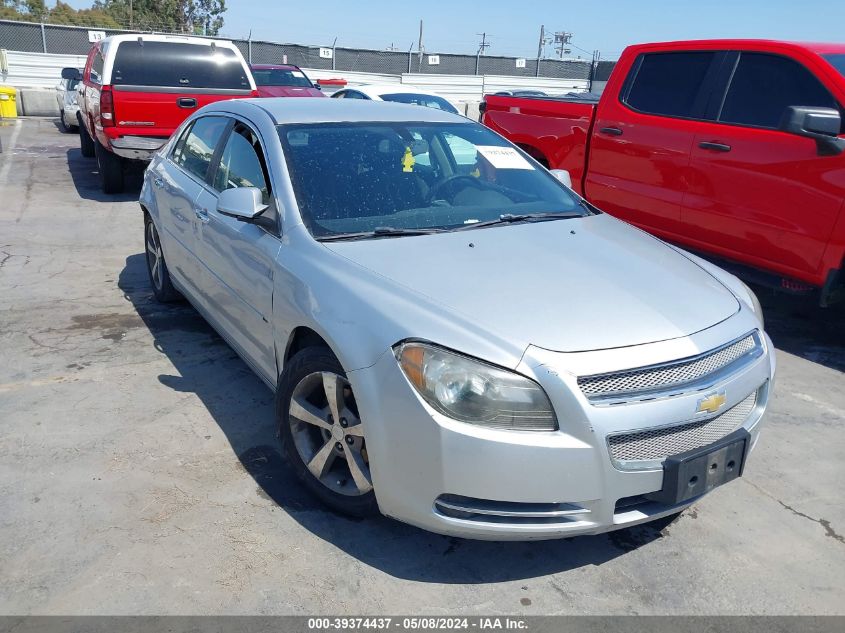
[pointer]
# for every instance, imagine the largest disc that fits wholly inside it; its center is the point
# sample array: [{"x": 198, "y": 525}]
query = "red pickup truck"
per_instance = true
[
  {"x": 137, "y": 89},
  {"x": 729, "y": 147}
]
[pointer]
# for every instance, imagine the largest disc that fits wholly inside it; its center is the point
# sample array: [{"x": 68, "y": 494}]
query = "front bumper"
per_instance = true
[{"x": 429, "y": 470}]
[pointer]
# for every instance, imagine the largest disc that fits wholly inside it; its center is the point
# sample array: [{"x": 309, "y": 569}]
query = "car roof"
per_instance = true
[
  {"x": 184, "y": 39},
  {"x": 274, "y": 66},
  {"x": 816, "y": 47},
  {"x": 284, "y": 110},
  {"x": 376, "y": 90}
]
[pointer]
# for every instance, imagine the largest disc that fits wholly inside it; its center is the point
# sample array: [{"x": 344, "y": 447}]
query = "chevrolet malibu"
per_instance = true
[{"x": 454, "y": 338}]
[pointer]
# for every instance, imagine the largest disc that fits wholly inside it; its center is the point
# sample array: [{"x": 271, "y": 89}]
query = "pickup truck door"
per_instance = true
[
  {"x": 240, "y": 256},
  {"x": 758, "y": 195},
  {"x": 177, "y": 182},
  {"x": 641, "y": 141}
]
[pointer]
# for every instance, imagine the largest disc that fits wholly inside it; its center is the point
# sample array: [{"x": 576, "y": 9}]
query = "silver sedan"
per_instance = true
[{"x": 454, "y": 338}]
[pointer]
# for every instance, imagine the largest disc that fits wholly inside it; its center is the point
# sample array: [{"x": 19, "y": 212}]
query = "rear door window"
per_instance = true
[
  {"x": 764, "y": 85},
  {"x": 194, "y": 153},
  {"x": 670, "y": 84},
  {"x": 178, "y": 65}
]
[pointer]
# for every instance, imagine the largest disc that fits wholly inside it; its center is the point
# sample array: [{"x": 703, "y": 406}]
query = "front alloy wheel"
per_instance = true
[{"x": 322, "y": 434}]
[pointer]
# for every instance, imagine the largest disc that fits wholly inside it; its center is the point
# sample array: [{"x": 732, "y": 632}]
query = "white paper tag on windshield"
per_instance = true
[
  {"x": 297, "y": 73},
  {"x": 503, "y": 157}
]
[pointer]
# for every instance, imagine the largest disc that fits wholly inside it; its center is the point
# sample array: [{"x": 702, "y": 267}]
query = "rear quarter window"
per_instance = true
[{"x": 178, "y": 65}]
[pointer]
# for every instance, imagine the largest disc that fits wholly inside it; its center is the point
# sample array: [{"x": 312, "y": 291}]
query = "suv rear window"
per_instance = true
[
  {"x": 178, "y": 65},
  {"x": 669, "y": 83}
]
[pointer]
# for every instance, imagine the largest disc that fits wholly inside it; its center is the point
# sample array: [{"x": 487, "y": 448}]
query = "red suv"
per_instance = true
[{"x": 137, "y": 89}]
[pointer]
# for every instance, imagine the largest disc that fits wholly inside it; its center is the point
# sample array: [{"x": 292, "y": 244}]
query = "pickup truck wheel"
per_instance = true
[
  {"x": 110, "y": 167},
  {"x": 86, "y": 143},
  {"x": 321, "y": 432},
  {"x": 156, "y": 266}
]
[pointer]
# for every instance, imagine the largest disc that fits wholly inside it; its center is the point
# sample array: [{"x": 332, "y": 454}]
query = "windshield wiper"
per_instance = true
[
  {"x": 379, "y": 231},
  {"x": 511, "y": 218}
]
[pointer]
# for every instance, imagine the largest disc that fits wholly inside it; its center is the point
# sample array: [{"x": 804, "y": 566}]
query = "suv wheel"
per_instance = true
[
  {"x": 321, "y": 432},
  {"x": 156, "y": 266},
  {"x": 86, "y": 143},
  {"x": 110, "y": 166}
]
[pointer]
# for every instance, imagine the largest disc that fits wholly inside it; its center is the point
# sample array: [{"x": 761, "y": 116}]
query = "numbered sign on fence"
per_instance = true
[{"x": 96, "y": 36}]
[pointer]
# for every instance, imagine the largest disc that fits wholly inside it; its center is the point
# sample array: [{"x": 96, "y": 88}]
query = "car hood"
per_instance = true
[
  {"x": 565, "y": 285},
  {"x": 288, "y": 91}
]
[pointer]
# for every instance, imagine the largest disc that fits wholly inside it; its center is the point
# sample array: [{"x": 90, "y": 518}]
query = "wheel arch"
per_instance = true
[{"x": 535, "y": 153}]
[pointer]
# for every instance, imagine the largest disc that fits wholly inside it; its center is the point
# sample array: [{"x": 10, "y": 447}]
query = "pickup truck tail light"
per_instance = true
[{"x": 106, "y": 107}]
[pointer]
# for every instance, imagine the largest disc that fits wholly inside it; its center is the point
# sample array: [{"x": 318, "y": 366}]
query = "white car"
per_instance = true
[
  {"x": 66, "y": 94},
  {"x": 482, "y": 355},
  {"x": 397, "y": 93}
]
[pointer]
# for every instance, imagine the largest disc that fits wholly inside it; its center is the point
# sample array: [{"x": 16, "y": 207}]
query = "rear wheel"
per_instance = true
[
  {"x": 110, "y": 166},
  {"x": 321, "y": 432},
  {"x": 86, "y": 143},
  {"x": 156, "y": 266}
]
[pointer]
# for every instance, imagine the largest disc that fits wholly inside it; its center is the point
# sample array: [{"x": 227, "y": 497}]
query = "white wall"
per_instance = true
[{"x": 36, "y": 70}]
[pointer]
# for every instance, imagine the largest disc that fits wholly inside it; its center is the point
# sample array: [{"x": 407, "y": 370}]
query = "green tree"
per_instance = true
[{"x": 63, "y": 13}]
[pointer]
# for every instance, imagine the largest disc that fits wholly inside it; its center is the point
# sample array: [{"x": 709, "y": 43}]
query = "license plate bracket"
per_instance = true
[{"x": 700, "y": 470}]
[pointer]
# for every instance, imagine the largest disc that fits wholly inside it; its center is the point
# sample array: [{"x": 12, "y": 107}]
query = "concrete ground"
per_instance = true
[{"x": 139, "y": 472}]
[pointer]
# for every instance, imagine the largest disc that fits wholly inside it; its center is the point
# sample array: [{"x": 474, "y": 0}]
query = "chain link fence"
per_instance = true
[{"x": 52, "y": 38}]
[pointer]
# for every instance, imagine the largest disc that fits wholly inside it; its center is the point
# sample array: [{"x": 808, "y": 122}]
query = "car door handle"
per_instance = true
[
  {"x": 716, "y": 147},
  {"x": 158, "y": 182},
  {"x": 202, "y": 214},
  {"x": 186, "y": 102},
  {"x": 611, "y": 131}
]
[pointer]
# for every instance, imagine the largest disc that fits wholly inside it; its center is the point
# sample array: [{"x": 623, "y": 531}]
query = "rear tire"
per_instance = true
[
  {"x": 110, "y": 166},
  {"x": 156, "y": 266},
  {"x": 86, "y": 143}
]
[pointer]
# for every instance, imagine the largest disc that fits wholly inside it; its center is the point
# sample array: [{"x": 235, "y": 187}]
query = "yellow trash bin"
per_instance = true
[{"x": 8, "y": 102}]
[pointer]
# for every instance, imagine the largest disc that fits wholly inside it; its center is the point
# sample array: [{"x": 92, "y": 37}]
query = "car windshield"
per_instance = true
[
  {"x": 359, "y": 177},
  {"x": 837, "y": 60},
  {"x": 281, "y": 77},
  {"x": 429, "y": 101}
]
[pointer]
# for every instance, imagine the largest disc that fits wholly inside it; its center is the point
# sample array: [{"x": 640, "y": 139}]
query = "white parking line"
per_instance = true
[{"x": 8, "y": 154}]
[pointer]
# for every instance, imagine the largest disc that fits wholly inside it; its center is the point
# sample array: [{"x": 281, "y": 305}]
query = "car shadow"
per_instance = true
[
  {"x": 799, "y": 326},
  {"x": 86, "y": 178},
  {"x": 242, "y": 407}
]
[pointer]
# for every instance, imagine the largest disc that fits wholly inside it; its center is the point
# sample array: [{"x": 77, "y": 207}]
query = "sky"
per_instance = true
[{"x": 513, "y": 26}]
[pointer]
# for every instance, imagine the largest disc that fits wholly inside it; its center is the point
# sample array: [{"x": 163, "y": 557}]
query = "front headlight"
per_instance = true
[
  {"x": 474, "y": 392},
  {"x": 754, "y": 303}
]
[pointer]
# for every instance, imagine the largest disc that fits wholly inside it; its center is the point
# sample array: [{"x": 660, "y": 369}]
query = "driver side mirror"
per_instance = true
[
  {"x": 242, "y": 203},
  {"x": 563, "y": 176},
  {"x": 820, "y": 124},
  {"x": 71, "y": 73}
]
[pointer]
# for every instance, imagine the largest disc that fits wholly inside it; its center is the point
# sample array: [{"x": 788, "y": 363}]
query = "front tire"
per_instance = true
[
  {"x": 110, "y": 166},
  {"x": 156, "y": 266},
  {"x": 86, "y": 143},
  {"x": 321, "y": 433}
]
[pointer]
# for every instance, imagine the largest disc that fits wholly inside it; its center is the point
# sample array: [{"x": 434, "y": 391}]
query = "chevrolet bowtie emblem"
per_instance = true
[{"x": 711, "y": 403}]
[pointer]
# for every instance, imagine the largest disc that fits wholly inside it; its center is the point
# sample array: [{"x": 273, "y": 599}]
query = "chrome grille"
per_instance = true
[
  {"x": 656, "y": 444},
  {"x": 670, "y": 375}
]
